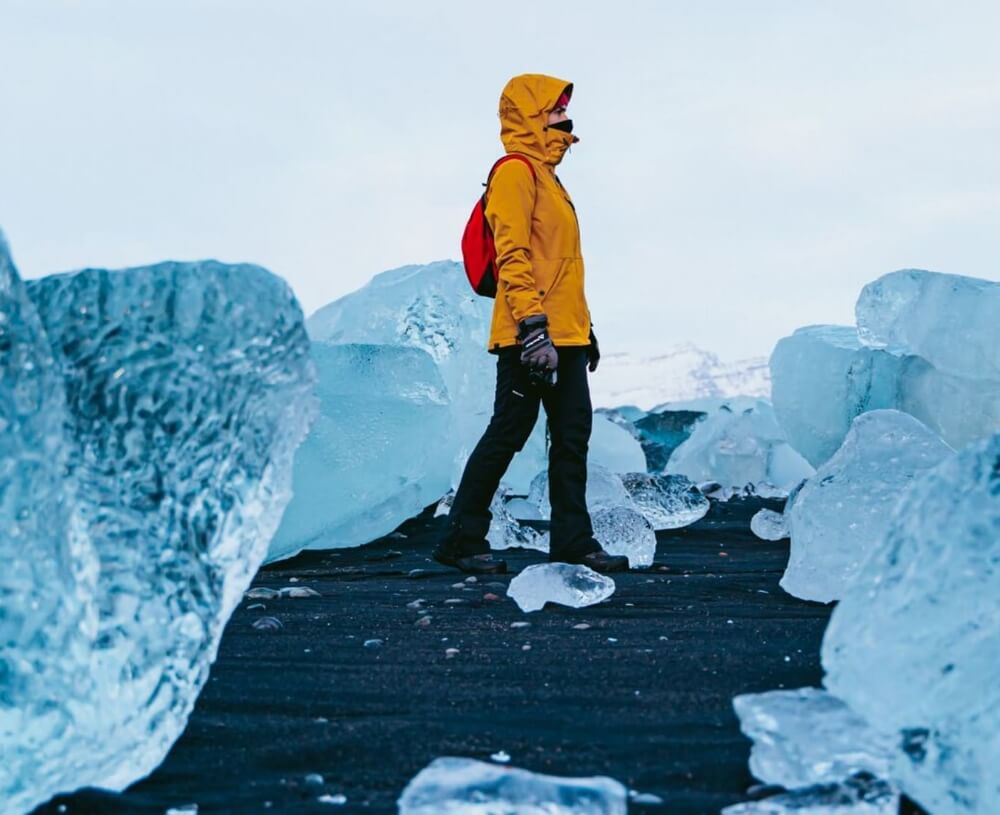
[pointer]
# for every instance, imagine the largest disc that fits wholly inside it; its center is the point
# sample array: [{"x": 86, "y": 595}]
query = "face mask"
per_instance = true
[{"x": 565, "y": 126}]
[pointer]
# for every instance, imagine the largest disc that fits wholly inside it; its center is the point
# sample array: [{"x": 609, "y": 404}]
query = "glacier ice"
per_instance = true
[
  {"x": 661, "y": 432},
  {"x": 949, "y": 320},
  {"x": 808, "y": 736},
  {"x": 506, "y": 532},
  {"x": 667, "y": 501},
  {"x": 614, "y": 447},
  {"x": 739, "y": 445},
  {"x": 769, "y": 525},
  {"x": 179, "y": 395},
  {"x": 858, "y": 795},
  {"x": 841, "y": 514},
  {"x": 363, "y": 470},
  {"x": 604, "y": 489},
  {"x": 924, "y": 610},
  {"x": 563, "y": 583},
  {"x": 625, "y": 531},
  {"x": 462, "y": 786},
  {"x": 823, "y": 377}
]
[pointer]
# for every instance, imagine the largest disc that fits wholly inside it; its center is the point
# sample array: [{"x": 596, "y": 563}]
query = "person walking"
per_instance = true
[{"x": 540, "y": 332}]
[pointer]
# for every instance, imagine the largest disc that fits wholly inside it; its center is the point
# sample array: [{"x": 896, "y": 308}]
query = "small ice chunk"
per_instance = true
[
  {"x": 809, "y": 736},
  {"x": 462, "y": 786},
  {"x": 667, "y": 501},
  {"x": 506, "y": 532},
  {"x": 623, "y": 531},
  {"x": 841, "y": 514},
  {"x": 769, "y": 525},
  {"x": 563, "y": 583}
]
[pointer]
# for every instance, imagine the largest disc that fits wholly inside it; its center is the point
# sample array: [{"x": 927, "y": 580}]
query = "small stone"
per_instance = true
[
  {"x": 723, "y": 554},
  {"x": 252, "y": 606},
  {"x": 336, "y": 800},
  {"x": 261, "y": 593},
  {"x": 267, "y": 624},
  {"x": 581, "y": 626},
  {"x": 416, "y": 604},
  {"x": 416, "y": 574},
  {"x": 644, "y": 797},
  {"x": 612, "y": 639},
  {"x": 450, "y": 653},
  {"x": 526, "y": 647},
  {"x": 729, "y": 622},
  {"x": 495, "y": 585},
  {"x": 520, "y": 625},
  {"x": 454, "y": 601},
  {"x": 458, "y": 585},
  {"x": 186, "y": 809},
  {"x": 472, "y": 579},
  {"x": 296, "y": 592},
  {"x": 314, "y": 780},
  {"x": 293, "y": 580},
  {"x": 374, "y": 643},
  {"x": 500, "y": 757},
  {"x": 491, "y": 597},
  {"x": 423, "y": 622}
]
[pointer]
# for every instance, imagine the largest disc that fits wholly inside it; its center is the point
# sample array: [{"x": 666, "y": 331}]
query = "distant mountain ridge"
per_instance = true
[{"x": 680, "y": 374}]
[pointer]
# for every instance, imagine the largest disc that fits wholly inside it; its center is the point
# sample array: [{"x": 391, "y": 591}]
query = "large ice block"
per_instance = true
[
  {"x": 951, "y": 321},
  {"x": 741, "y": 446},
  {"x": 841, "y": 514},
  {"x": 561, "y": 583},
  {"x": 667, "y": 501},
  {"x": 661, "y": 432},
  {"x": 363, "y": 469},
  {"x": 823, "y": 377},
  {"x": 614, "y": 447},
  {"x": 808, "y": 736},
  {"x": 462, "y": 786},
  {"x": 923, "y": 612},
  {"x": 432, "y": 308},
  {"x": 187, "y": 387}
]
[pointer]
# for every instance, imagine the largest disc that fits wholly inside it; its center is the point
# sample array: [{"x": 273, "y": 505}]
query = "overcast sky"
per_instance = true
[{"x": 745, "y": 167}]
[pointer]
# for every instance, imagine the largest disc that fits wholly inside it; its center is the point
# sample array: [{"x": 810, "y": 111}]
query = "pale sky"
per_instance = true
[{"x": 745, "y": 167}]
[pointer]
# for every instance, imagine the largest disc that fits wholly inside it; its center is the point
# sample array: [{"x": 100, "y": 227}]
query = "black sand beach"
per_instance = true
[{"x": 643, "y": 695}]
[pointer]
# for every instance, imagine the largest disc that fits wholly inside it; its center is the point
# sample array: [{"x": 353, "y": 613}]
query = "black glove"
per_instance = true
[
  {"x": 593, "y": 352},
  {"x": 537, "y": 350}
]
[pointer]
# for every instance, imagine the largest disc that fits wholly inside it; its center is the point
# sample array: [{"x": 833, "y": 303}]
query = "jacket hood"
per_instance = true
[{"x": 524, "y": 106}]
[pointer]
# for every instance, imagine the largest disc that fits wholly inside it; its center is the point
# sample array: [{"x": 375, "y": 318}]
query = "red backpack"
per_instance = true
[{"x": 479, "y": 253}]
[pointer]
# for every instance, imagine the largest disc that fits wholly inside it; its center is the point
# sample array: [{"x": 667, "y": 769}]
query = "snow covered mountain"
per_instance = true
[{"x": 683, "y": 373}]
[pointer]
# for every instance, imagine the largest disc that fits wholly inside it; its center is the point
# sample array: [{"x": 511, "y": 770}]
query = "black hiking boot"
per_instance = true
[
  {"x": 471, "y": 564},
  {"x": 599, "y": 561}
]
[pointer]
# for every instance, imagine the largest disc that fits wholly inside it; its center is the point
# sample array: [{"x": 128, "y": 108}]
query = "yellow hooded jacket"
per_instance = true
[{"x": 534, "y": 224}]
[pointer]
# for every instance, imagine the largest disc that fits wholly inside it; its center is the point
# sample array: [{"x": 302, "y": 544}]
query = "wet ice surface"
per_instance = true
[
  {"x": 185, "y": 388},
  {"x": 624, "y": 531},
  {"x": 667, "y": 501},
  {"x": 562, "y": 583},
  {"x": 363, "y": 469},
  {"x": 949, "y": 320},
  {"x": 506, "y": 532},
  {"x": 769, "y": 525},
  {"x": 807, "y": 736},
  {"x": 823, "y": 377},
  {"x": 739, "y": 444},
  {"x": 923, "y": 612},
  {"x": 460, "y": 786},
  {"x": 841, "y": 514}
]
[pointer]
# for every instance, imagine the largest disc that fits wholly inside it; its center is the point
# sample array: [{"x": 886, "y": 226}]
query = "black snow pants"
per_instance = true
[{"x": 515, "y": 411}]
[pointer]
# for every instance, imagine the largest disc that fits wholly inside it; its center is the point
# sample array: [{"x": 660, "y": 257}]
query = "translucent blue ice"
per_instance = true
[{"x": 150, "y": 432}]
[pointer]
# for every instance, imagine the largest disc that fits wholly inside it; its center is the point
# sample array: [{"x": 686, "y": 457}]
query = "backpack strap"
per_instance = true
[{"x": 509, "y": 157}]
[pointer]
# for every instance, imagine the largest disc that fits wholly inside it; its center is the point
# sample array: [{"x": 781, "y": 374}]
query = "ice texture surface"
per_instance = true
[
  {"x": 568, "y": 585},
  {"x": 667, "y": 501},
  {"x": 841, "y": 514},
  {"x": 924, "y": 610},
  {"x": 951, "y": 321},
  {"x": 506, "y": 532},
  {"x": 823, "y": 377},
  {"x": 604, "y": 489},
  {"x": 860, "y": 795},
  {"x": 769, "y": 525},
  {"x": 185, "y": 388},
  {"x": 737, "y": 446},
  {"x": 625, "y": 531},
  {"x": 808, "y": 736},
  {"x": 462, "y": 786},
  {"x": 374, "y": 455}
]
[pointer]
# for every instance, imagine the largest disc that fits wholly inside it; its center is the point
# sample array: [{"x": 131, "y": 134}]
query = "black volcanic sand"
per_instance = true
[{"x": 644, "y": 695}]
